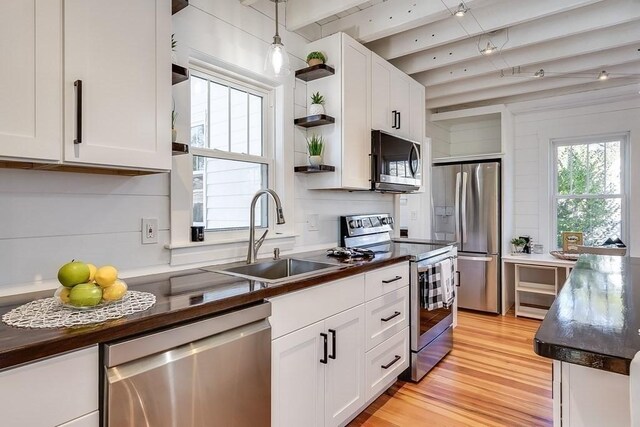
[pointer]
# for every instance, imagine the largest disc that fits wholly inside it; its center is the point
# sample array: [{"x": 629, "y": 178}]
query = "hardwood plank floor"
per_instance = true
[{"x": 492, "y": 377}]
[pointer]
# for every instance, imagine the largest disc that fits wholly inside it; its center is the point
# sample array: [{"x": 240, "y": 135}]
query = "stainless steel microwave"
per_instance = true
[{"x": 396, "y": 165}]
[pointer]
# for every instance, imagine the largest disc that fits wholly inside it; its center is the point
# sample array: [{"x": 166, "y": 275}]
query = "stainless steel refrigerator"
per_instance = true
[{"x": 466, "y": 209}]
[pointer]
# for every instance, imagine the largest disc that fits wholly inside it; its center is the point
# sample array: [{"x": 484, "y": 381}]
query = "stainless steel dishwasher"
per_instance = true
[{"x": 213, "y": 372}]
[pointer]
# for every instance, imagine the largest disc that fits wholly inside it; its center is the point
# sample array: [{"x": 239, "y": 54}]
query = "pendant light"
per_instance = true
[{"x": 277, "y": 62}]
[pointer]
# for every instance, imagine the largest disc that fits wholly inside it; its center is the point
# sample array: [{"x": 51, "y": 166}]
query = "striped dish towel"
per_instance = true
[{"x": 437, "y": 287}]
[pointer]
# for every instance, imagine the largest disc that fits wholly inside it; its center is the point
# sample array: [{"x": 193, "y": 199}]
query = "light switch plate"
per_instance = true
[
  {"x": 312, "y": 222},
  {"x": 149, "y": 231}
]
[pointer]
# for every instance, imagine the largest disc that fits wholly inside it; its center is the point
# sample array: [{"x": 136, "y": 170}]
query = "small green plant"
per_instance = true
[
  {"x": 174, "y": 43},
  {"x": 317, "y": 55},
  {"x": 316, "y": 98},
  {"x": 518, "y": 242},
  {"x": 174, "y": 116},
  {"x": 315, "y": 145}
]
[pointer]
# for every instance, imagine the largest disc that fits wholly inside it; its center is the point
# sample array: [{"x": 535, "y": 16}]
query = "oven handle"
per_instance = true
[{"x": 475, "y": 258}]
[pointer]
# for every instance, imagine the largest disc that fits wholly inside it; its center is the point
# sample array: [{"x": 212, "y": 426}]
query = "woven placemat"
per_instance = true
[{"x": 50, "y": 313}]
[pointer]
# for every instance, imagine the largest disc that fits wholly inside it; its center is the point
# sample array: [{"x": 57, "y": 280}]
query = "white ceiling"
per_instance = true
[{"x": 571, "y": 40}]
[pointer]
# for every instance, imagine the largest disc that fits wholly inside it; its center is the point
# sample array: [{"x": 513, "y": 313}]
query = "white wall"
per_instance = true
[
  {"x": 440, "y": 138},
  {"x": 533, "y": 133},
  {"x": 476, "y": 137}
]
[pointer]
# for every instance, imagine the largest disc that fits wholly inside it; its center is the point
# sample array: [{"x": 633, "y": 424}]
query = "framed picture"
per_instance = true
[{"x": 571, "y": 240}]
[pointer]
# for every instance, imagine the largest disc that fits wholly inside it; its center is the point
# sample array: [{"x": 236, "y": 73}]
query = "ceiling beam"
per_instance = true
[
  {"x": 493, "y": 17},
  {"x": 536, "y": 85},
  {"x": 594, "y": 41},
  {"x": 393, "y": 16},
  {"x": 577, "y": 64},
  {"x": 301, "y": 13},
  {"x": 592, "y": 17}
]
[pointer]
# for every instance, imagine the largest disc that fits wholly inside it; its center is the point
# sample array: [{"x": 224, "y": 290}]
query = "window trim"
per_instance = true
[
  {"x": 624, "y": 139},
  {"x": 268, "y": 144}
]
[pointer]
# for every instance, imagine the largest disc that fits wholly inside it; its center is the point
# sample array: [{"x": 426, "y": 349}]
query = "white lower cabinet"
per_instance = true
[
  {"x": 386, "y": 362},
  {"x": 61, "y": 390}
]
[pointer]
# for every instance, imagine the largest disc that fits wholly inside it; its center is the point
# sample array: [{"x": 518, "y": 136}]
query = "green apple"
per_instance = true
[
  {"x": 73, "y": 272},
  {"x": 85, "y": 295}
]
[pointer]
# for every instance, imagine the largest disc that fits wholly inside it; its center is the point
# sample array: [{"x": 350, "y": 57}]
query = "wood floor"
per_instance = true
[{"x": 492, "y": 377}]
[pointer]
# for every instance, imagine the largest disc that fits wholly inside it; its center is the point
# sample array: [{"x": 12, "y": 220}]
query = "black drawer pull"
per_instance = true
[
  {"x": 325, "y": 344},
  {"x": 334, "y": 336},
  {"x": 388, "y": 365},
  {"x": 78, "y": 86},
  {"x": 395, "y": 279},
  {"x": 458, "y": 282},
  {"x": 394, "y": 315}
]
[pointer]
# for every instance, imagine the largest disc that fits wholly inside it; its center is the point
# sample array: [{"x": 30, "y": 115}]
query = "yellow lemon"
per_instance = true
[
  {"x": 92, "y": 272},
  {"x": 106, "y": 276},
  {"x": 63, "y": 294},
  {"x": 115, "y": 291}
]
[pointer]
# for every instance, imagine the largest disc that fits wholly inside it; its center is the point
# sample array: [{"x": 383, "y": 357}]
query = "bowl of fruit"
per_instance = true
[{"x": 85, "y": 286}]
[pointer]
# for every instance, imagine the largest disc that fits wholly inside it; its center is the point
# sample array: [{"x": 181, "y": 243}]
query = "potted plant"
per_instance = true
[
  {"x": 315, "y": 146},
  {"x": 518, "y": 244},
  {"x": 316, "y": 58},
  {"x": 174, "y": 132},
  {"x": 317, "y": 104},
  {"x": 174, "y": 44}
]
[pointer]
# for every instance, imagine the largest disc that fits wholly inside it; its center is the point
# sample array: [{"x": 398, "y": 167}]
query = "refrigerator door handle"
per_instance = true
[
  {"x": 475, "y": 258},
  {"x": 463, "y": 218},
  {"x": 457, "y": 208}
]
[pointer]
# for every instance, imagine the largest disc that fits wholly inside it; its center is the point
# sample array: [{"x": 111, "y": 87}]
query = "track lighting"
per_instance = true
[
  {"x": 461, "y": 10},
  {"x": 489, "y": 49},
  {"x": 603, "y": 75},
  {"x": 539, "y": 73}
]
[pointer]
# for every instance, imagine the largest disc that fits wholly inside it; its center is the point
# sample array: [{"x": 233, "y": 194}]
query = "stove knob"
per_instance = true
[
  {"x": 384, "y": 220},
  {"x": 352, "y": 224},
  {"x": 358, "y": 223}
]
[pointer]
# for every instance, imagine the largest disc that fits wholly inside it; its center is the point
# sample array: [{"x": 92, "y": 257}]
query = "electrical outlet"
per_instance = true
[
  {"x": 312, "y": 222},
  {"x": 414, "y": 215},
  {"x": 149, "y": 231}
]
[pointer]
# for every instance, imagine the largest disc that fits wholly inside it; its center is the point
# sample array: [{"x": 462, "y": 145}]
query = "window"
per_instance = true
[
  {"x": 232, "y": 153},
  {"x": 589, "y": 188}
]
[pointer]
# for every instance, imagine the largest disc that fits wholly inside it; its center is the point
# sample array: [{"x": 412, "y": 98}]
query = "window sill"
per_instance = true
[{"x": 230, "y": 249}]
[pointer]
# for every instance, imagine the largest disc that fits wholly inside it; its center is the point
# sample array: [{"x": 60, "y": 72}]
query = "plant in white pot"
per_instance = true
[
  {"x": 317, "y": 104},
  {"x": 518, "y": 245},
  {"x": 174, "y": 132},
  {"x": 315, "y": 146},
  {"x": 316, "y": 58}
]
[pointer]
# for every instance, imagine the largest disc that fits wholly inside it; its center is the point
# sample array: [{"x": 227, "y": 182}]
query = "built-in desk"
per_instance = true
[{"x": 531, "y": 282}]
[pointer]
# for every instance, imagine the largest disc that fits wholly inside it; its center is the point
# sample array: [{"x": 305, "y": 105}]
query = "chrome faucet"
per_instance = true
[{"x": 253, "y": 244}]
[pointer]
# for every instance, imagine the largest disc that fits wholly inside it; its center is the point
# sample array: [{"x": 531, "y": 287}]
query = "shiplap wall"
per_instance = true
[
  {"x": 440, "y": 139},
  {"x": 49, "y": 218},
  {"x": 477, "y": 137},
  {"x": 533, "y": 134}
]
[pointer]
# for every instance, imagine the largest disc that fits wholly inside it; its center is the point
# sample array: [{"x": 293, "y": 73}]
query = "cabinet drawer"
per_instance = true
[
  {"x": 385, "y": 362},
  {"x": 384, "y": 280},
  {"x": 62, "y": 388},
  {"x": 386, "y": 316},
  {"x": 299, "y": 309}
]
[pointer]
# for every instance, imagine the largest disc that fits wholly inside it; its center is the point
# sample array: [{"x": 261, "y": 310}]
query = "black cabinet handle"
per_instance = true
[
  {"x": 334, "y": 336},
  {"x": 388, "y": 365},
  {"x": 395, "y": 117},
  {"x": 325, "y": 344},
  {"x": 399, "y": 119},
  {"x": 458, "y": 283},
  {"x": 394, "y": 315},
  {"x": 78, "y": 86},
  {"x": 395, "y": 279}
]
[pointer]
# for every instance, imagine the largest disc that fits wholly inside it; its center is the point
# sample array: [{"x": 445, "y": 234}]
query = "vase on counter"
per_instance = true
[{"x": 315, "y": 160}]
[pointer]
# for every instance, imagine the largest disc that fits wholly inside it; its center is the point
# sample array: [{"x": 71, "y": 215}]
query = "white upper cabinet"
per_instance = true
[
  {"x": 397, "y": 105},
  {"x": 30, "y": 76},
  {"x": 120, "y": 52}
]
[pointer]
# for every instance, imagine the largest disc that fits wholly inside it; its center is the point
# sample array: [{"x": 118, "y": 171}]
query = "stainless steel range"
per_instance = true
[{"x": 431, "y": 330}]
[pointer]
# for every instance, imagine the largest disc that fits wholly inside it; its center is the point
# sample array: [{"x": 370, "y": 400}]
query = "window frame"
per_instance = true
[
  {"x": 623, "y": 137},
  {"x": 268, "y": 145}
]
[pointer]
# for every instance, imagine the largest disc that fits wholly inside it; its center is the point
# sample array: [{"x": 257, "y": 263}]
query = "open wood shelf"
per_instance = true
[
  {"x": 178, "y": 148},
  {"x": 314, "y": 169},
  {"x": 532, "y": 312},
  {"x": 312, "y": 121},
  {"x": 315, "y": 72},
  {"x": 537, "y": 288},
  {"x": 178, "y": 5},
  {"x": 179, "y": 74}
]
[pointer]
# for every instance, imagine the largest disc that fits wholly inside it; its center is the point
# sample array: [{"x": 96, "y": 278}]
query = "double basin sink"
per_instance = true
[{"x": 274, "y": 271}]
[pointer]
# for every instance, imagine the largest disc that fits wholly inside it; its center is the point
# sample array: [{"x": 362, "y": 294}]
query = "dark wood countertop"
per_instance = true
[
  {"x": 180, "y": 297},
  {"x": 595, "y": 319}
]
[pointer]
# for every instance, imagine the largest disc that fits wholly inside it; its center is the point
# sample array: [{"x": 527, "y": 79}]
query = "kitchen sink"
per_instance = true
[{"x": 273, "y": 271}]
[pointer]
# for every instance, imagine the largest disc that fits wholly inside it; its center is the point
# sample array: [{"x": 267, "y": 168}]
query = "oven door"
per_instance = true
[{"x": 426, "y": 325}]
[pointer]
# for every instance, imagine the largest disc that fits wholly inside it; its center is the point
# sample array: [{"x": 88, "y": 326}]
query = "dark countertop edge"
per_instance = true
[
  {"x": 580, "y": 357},
  {"x": 111, "y": 330}
]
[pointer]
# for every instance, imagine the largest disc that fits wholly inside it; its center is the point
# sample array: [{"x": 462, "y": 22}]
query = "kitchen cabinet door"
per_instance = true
[
  {"x": 345, "y": 382},
  {"x": 120, "y": 52},
  {"x": 298, "y": 378},
  {"x": 381, "y": 117},
  {"x": 417, "y": 112},
  {"x": 30, "y": 75},
  {"x": 400, "y": 103}
]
